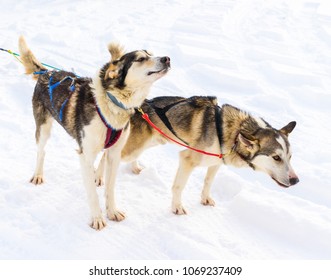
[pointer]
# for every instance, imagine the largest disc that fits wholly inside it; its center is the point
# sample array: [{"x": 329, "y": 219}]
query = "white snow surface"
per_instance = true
[{"x": 270, "y": 58}]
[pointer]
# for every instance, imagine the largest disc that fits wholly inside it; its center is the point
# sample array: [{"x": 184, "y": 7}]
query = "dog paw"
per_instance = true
[
  {"x": 179, "y": 210},
  {"x": 116, "y": 215},
  {"x": 208, "y": 201},
  {"x": 98, "y": 223},
  {"x": 136, "y": 167},
  {"x": 37, "y": 180}
]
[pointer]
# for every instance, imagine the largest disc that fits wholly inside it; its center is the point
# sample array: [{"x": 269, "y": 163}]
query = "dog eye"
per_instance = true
[
  {"x": 277, "y": 158},
  {"x": 141, "y": 59}
]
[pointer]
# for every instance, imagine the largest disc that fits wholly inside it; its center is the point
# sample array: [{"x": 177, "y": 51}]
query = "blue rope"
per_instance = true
[{"x": 16, "y": 55}]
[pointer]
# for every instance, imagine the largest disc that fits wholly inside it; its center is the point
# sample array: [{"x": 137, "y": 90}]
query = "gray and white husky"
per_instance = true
[
  {"x": 244, "y": 140},
  {"x": 95, "y": 112}
]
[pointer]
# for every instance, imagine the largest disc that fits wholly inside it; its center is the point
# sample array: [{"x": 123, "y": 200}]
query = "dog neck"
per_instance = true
[
  {"x": 131, "y": 97},
  {"x": 232, "y": 121},
  {"x": 116, "y": 116}
]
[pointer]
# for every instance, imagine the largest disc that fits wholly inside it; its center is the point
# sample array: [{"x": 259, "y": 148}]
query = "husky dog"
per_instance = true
[
  {"x": 95, "y": 112},
  {"x": 243, "y": 140}
]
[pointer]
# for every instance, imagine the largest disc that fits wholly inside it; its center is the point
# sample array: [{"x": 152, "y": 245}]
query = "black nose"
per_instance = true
[
  {"x": 294, "y": 181},
  {"x": 165, "y": 59}
]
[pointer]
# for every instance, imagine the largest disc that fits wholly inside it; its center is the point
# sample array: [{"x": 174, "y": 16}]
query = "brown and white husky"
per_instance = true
[
  {"x": 244, "y": 140},
  {"x": 95, "y": 112}
]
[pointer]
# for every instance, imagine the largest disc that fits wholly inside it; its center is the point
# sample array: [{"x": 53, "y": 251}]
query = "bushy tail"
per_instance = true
[{"x": 30, "y": 62}]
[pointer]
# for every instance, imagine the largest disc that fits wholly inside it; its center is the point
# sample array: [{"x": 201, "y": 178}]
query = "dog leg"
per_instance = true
[
  {"x": 205, "y": 195},
  {"x": 86, "y": 162},
  {"x": 185, "y": 169},
  {"x": 42, "y": 135},
  {"x": 113, "y": 159},
  {"x": 100, "y": 171}
]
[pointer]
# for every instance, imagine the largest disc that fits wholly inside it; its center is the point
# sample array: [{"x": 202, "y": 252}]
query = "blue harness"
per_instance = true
[
  {"x": 51, "y": 88},
  {"x": 112, "y": 134}
]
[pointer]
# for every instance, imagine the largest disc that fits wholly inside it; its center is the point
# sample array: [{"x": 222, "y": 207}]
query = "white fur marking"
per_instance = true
[{"x": 281, "y": 141}]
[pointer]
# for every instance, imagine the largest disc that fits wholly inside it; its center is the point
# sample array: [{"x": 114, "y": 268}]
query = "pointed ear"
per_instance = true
[
  {"x": 116, "y": 51},
  {"x": 287, "y": 129},
  {"x": 246, "y": 142}
]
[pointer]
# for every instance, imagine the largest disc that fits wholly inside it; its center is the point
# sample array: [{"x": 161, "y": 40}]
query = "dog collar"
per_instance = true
[{"x": 115, "y": 101}]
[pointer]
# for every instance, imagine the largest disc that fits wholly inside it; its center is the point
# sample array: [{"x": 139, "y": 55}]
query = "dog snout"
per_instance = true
[
  {"x": 165, "y": 60},
  {"x": 294, "y": 180}
]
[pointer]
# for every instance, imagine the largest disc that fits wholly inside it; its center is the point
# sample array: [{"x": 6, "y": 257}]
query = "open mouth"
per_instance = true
[
  {"x": 279, "y": 183},
  {"x": 163, "y": 71}
]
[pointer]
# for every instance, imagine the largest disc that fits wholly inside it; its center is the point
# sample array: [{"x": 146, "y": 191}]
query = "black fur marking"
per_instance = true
[
  {"x": 247, "y": 159},
  {"x": 123, "y": 66},
  {"x": 207, "y": 124},
  {"x": 126, "y": 61},
  {"x": 105, "y": 81},
  {"x": 219, "y": 125}
]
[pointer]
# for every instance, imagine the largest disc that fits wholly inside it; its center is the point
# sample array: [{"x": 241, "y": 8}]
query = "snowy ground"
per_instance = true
[{"x": 271, "y": 58}]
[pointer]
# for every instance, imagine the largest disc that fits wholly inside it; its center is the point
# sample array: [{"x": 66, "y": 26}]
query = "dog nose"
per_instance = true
[
  {"x": 165, "y": 60},
  {"x": 294, "y": 181}
]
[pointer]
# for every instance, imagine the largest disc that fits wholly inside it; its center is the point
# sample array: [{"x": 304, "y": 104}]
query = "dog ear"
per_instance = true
[
  {"x": 116, "y": 51},
  {"x": 287, "y": 129},
  {"x": 112, "y": 72},
  {"x": 248, "y": 143}
]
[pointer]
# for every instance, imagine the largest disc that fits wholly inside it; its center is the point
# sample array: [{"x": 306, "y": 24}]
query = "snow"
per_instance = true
[{"x": 271, "y": 58}]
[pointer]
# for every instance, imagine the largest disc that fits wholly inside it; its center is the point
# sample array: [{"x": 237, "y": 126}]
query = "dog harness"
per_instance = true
[
  {"x": 161, "y": 114},
  {"x": 112, "y": 135}
]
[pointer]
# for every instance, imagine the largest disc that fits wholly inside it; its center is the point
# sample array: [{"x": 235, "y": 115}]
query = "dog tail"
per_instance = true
[{"x": 30, "y": 62}]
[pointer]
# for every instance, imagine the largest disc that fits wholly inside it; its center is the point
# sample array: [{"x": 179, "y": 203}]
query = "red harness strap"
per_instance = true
[
  {"x": 112, "y": 134},
  {"x": 146, "y": 118},
  {"x": 112, "y": 137}
]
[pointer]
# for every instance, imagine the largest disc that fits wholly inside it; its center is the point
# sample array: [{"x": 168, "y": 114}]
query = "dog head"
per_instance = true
[
  {"x": 268, "y": 150},
  {"x": 133, "y": 70}
]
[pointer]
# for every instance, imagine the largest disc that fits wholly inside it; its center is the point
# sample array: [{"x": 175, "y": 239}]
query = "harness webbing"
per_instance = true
[
  {"x": 146, "y": 118},
  {"x": 51, "y": 87},
  {"x": 16, "y": 55},
  {"x": 112, "y": 134},
  {"x": 161, "y": 112}
]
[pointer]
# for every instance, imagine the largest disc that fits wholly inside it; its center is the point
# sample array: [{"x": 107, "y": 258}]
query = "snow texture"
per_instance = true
[{"x": 271, "y": 58}]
